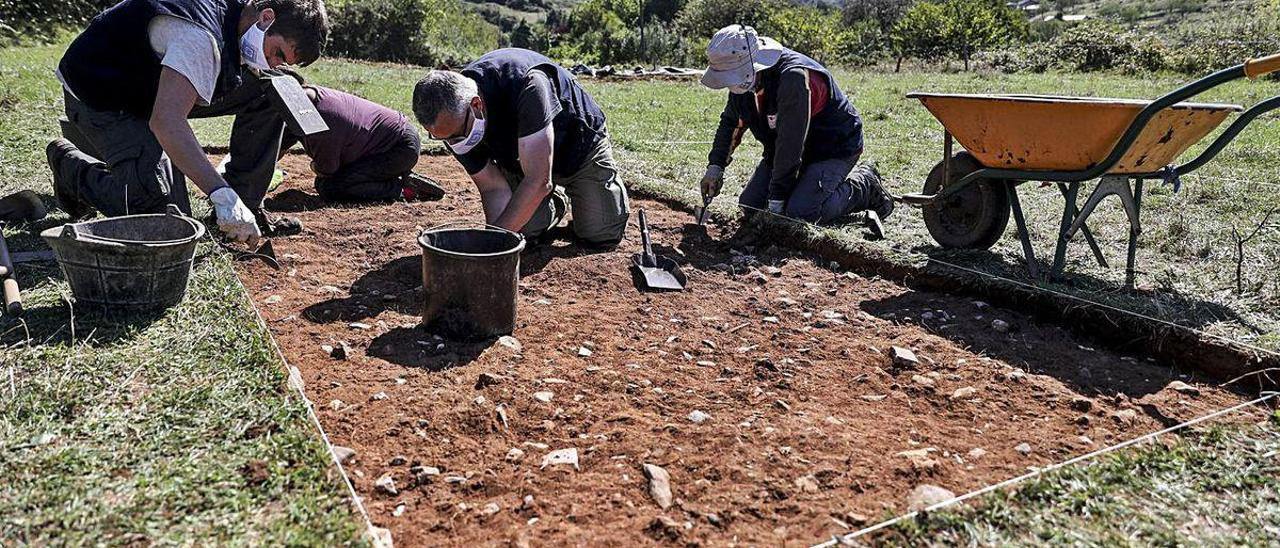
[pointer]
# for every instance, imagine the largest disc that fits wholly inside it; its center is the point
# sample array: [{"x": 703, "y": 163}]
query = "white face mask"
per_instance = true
[
  {"x": 746, "y": 87},
  {"x": 473, "y": 139},
  {"x": 251, "y": 47}
]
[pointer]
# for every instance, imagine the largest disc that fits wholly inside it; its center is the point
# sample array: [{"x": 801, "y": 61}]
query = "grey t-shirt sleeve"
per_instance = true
[
  {"x": 188, "y": 49},
  {"x": 537, "y": 105}
]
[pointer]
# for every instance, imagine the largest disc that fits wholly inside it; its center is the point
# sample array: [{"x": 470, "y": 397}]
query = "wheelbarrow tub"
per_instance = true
[{"x": 1055, "y": 133}]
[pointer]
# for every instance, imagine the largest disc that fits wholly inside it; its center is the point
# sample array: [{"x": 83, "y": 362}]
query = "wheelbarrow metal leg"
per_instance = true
[
  {"x": 1023, "y": 235},
  {"x": 946, "y": 157},
  {"x": 1069, "y": 191},
  {"x": 1084, "y": 227},
  {"x": 1118, "y": 186},
  {"x": 1135, "y": 230}
]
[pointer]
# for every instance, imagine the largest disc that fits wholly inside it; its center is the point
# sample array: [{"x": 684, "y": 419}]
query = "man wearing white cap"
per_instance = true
[{"x": 811, "y": 133}]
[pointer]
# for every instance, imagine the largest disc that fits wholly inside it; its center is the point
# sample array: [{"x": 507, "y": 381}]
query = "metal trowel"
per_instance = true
[
  {"x": 657, "y": 273},
  {"x": 702, "y": 214}
]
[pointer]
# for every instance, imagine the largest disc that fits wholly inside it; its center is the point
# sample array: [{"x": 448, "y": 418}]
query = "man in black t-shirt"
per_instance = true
[{"x": 523, "y": 128}]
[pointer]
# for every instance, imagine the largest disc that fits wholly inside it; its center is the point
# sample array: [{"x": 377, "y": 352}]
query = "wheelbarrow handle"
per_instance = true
[{"x": 1262, "y": 66}]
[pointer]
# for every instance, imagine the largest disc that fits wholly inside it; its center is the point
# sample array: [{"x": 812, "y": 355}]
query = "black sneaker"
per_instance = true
[
  {"x": 64, "y": 187},
  {"x": 881, "y": 201},
  {"x": 276, "y": 225},
  {"x": 417, "y": 188}
]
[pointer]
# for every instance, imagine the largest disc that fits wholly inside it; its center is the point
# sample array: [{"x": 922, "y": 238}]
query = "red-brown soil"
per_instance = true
[{"x": 809, "y": 417}]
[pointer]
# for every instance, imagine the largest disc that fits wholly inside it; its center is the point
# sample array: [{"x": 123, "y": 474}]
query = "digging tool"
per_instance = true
[
  {"x": 657, "y": 273},
  {"x": 12, "y": 298},
  {"x": 22, "y": 206},
  {"x": 702, "y": 214},
  {"x": 292, "y": 103}
]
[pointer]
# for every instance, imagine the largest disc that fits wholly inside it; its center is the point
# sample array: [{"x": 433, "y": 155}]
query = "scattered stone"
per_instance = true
[
  {"x": 807, "y": 484},
  {"x": 344, "y": 454},
  {"x": 786, "y": 301},
  {"x": 1125, "y": 416},
  {"x": 423, "y": 474},
  {"x": 512, "y": 343},
  {"x": 561, "y": 456},
  {"x": 1183, "y": 388},
  {"x": 903, "y": 357},
  {"x": 773, "y": 271},
  {"x": 981, "y": 305},
  {"x": 1024, "y": 448},
  {"x": 386, "y": 485},
  {"x": 360, "y": 326},
  {"x": 399, "y": 510},
  {"x": 964, "y": 393},
  {"x": 771, "y": 319},
  {"x": 925, "y": 495},
  {"x": 874, "y": 397},
  {"x": 977, "y": 453},
  {"x": 922, "y": 380},
  {"x": 698, "y": 417},
  {"x": 491, "y": 509},
  {"x": 397, "y": 460},
  {"x": 515, "y": 454},
  {"x": 336, "y": 405},
  {"x": 659, "y": 485},
  {"x": 273, "y": 299},
  {"x": 379, "y": 537},
  {"x": 920, "y": 458},
  {"x": 782, "y": 405},
  {"x": 501, "y": 411},
  {"x": 379, "y": 396},
  {"x": 1000, "y": 326},
  {"x": 1083, "y": 405},
  {"x": 1083, "y": 420},
  {"x": 544, "y": 396},
  {"x": 329, "y": 289},
  {"x": 584, "y": 352},
  {"x": 705, "y": 363},
  {"x": 485, "y": 380}
]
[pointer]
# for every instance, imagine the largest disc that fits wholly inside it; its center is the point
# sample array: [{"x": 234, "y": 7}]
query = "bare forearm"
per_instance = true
[
  {"x": 179, "y": 142},
  {"x": 495, "y": 202},
  {"x": 524, "y": 203}
]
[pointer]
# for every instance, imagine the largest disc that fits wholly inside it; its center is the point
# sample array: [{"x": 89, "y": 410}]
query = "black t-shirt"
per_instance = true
[{"x": 536, "y": 107}]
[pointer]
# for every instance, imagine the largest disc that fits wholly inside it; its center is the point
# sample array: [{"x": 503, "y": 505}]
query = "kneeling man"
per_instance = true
[
  {"x": 812, "y": 135},
  {"x": 522, "y": 126}
]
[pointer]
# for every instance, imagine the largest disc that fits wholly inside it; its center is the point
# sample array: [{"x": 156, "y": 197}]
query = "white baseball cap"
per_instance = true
[{"x": 735, "y": 52}]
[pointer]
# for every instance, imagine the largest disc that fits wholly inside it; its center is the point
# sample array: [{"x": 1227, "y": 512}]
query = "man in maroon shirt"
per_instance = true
[{"x": 368, "y": 153}]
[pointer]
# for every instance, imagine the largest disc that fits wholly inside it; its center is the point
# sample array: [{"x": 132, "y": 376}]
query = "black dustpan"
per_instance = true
[{"x": 654, "y": 272}]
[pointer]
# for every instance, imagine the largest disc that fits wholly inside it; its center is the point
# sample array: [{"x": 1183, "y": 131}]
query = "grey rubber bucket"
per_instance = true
[
  {"x": 469, "y": 279},
  {"x": 130, "y": 264}
]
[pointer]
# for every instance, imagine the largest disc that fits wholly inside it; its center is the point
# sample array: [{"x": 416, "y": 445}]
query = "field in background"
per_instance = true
[{"x": 176, "y": 429}]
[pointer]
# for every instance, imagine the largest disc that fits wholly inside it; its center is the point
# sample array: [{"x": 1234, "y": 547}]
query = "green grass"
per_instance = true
[
  {"x": 1219, "y": 487},
  {"x": 141, "y": 431}
]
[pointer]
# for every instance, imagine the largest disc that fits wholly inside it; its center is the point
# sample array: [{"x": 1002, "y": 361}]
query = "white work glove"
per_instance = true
[
  {"x": 776, "y": 206},
  {"x": 712, "y": 180},
  {"x": 234, "y": 218}
]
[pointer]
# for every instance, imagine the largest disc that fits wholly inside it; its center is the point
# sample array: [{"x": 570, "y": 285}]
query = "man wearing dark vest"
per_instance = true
[
  {"x": 812, "y": 135},
  {"x": 523, "y": 128},
  {"x": 143, "y": 67}
]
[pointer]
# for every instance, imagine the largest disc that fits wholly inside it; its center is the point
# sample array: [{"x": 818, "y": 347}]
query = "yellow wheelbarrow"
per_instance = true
[{"x": 1013, "y": 139}]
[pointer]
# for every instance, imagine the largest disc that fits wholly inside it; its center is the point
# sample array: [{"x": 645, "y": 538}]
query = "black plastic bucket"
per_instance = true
[{"x": 469, "y": 278}]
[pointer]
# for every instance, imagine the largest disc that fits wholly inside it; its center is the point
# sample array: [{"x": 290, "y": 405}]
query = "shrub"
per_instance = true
[
  {"x": 424, "y": 32},
  {"x": 961, "y": 28},
  {"x": 1088, "y": 47}
]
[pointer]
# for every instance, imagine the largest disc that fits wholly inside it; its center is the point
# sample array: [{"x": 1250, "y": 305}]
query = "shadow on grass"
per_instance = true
[{"x": 1187, "y": 310}]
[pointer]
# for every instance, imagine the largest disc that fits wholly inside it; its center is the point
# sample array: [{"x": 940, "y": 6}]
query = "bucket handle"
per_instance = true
[{"x": 452, "y": 224}]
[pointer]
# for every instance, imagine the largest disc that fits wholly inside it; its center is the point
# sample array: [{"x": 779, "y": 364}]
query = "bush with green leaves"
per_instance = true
[
  {"x": 27, "y": 21},
  {"x": 1088, "y": 47},
  {"x": 956, "y": 28},
  {"x": 423, "y": 32}
]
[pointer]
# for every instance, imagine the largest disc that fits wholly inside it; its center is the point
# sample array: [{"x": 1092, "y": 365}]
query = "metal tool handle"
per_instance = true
[{"x": 649, "y": 259}]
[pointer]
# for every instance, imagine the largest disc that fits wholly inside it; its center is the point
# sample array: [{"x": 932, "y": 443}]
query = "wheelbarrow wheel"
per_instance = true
[{"x": 976, "y": 217}]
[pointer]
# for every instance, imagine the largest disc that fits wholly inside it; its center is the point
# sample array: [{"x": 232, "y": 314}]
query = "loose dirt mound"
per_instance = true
[{"x": 808, "y": 426}]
